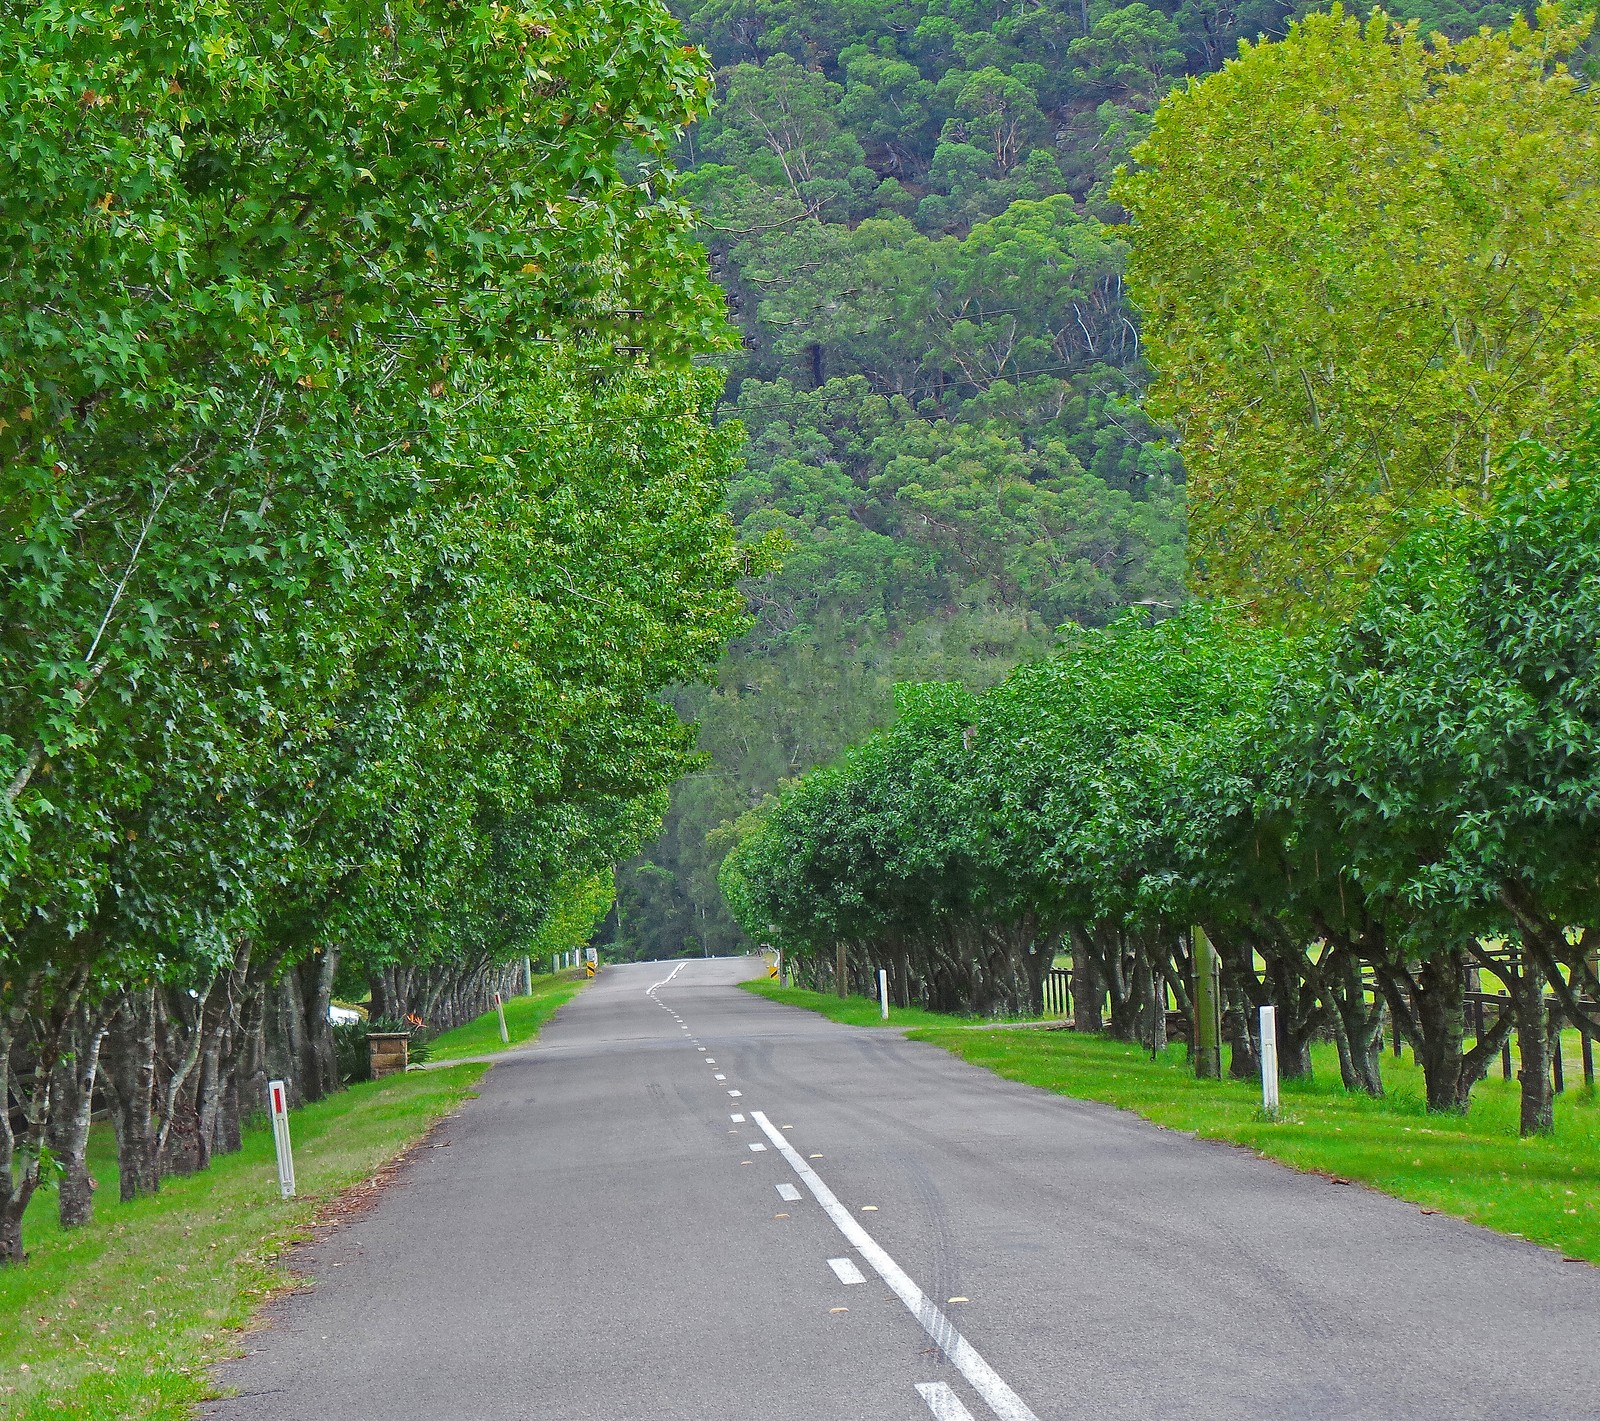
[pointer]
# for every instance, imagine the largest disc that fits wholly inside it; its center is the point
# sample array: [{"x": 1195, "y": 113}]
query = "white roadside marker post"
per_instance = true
[
  {"x": 500, "y": 1011},
  {"x": 1269, "y": 1060},
  {"x": 527, "y": 976},
  {"x": 278, "y": 1105},
  {"x": 883, "y": 991}
]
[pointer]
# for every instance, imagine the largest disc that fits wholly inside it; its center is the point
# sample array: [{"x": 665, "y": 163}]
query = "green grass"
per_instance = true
[
  {"x": 122, "y": 1318},
  {"x": 524, "y": 1017},
  {"x": 853, "y": 1011},
  {"x": 1474, "y": 1166}
]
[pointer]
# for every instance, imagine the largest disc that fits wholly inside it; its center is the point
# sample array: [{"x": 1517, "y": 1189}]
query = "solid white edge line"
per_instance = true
[
  {"x": 942, "y": 1402},
  {"x": 997, "y": 1396},
  {"x": 845, "y": 1270}
]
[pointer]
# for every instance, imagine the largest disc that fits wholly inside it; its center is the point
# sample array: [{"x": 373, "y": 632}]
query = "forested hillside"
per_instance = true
[{"x": 940, "y": 376}]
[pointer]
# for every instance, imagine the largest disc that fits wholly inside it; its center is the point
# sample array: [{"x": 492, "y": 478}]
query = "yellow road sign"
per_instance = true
[
  {"x": 772, "y": 971},
  {"x": 588, "y": 969}
]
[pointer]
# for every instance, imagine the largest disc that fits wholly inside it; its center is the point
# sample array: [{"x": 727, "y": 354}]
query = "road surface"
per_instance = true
[{"x": 687, "y": 1203}]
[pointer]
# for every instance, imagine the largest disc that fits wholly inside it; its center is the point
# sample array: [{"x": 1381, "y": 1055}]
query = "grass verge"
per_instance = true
[
  {"x": 853, "y": 1011},
  {"x": 124, "y": 1317},
  {"x": 1474, "y": 1166},
  {"x": 524, "y": 1017}
]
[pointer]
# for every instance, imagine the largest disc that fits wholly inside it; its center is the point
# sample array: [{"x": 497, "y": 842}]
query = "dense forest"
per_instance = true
[{"x": 940, "y": 375}]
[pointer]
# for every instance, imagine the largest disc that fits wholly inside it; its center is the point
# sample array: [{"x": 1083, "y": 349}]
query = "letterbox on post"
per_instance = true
[{"x": 388, "y": 1053}]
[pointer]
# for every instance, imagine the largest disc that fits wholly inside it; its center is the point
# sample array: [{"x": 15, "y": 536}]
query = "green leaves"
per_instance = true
[
  {"x": 1345, "y": 344},
  {"x": 363, "y": 495},
  {"x": 1425, "y": 776}
]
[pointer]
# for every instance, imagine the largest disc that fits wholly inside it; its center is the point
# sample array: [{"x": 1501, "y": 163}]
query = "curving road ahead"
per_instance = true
[{"x": 687, "y": 1203}]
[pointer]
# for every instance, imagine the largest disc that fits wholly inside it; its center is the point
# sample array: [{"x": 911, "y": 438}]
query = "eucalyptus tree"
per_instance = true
[{"x": 1345, "y": 345}]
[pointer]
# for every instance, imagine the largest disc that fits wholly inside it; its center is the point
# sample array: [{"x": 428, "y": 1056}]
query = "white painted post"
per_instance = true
[
  {"x": 500, "y": 1011},
  {"x": 278, "y": 1105},
  {"x": 555, "y": 962},
  {"x": 527, "y": 976},
  {"x": 1269, "y": 1060},
  {"x": 883, "y": 991}
]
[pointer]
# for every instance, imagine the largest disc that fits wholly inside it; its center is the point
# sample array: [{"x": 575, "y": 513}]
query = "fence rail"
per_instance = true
[{"x": 1057, "y": 992}]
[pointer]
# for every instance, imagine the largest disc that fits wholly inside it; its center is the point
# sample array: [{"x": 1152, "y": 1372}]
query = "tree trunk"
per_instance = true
[
  {"x": 1442, "y": 1031},
  {"x": 1357, "y": 1023},
  {"x": 1239, "y": 1026},
  {"x": 129, "y": 1058},
  {"x": 16, "y": 1183},
  {"x": 1126, "y": 966},
  {"x": 71, "y": 1104},
  {"x": 180, "y": 1142},
  {"x": 220, "y": 1056},
  {"x": 1299, "y": 1010},
  {"x": 1088, "y": 989},
  {"x": 1041, "y": 953},
  {"x": 319, "y": 1061},
  {"x": 1533, "y": 1048}
]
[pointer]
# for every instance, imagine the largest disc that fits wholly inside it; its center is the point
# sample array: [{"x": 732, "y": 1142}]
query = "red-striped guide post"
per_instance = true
[{"x": 278, "y": 1104}]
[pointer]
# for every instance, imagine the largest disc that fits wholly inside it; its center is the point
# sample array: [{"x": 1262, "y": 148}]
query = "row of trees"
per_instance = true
[
  {"x": 913, "y": 210},
  {"x": 360, "y": 497},
  {"x": 1360, "y": 817},
  {"x": 1364, "y": 815}
]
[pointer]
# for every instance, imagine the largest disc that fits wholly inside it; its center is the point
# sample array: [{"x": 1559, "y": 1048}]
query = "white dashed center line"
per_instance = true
[
  {"x": 942, "y": 1402},
  {"x": 846, "y": 1271},
  {"x": 997, "y": 1396},
  {"x": 788, "y": 1192}
]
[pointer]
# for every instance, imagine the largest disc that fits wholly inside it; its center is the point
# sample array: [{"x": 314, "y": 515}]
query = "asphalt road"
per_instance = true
[{"x": 662, "y": 1210}]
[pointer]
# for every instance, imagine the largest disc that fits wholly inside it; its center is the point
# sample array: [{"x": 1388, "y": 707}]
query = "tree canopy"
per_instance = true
[
  {"x": 363, "y": 500},
  {"x": 1359, "y": 819},
  {"x": 909, "y": 209},
  {"x": 1344, "y": 344}
]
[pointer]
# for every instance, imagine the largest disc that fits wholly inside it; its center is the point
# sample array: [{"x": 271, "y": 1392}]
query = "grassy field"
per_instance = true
[
  {"x": 853, "y": 1011},
  {"x": 121, "y": 1319},
  {"x": 524, "y": 1017}
]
